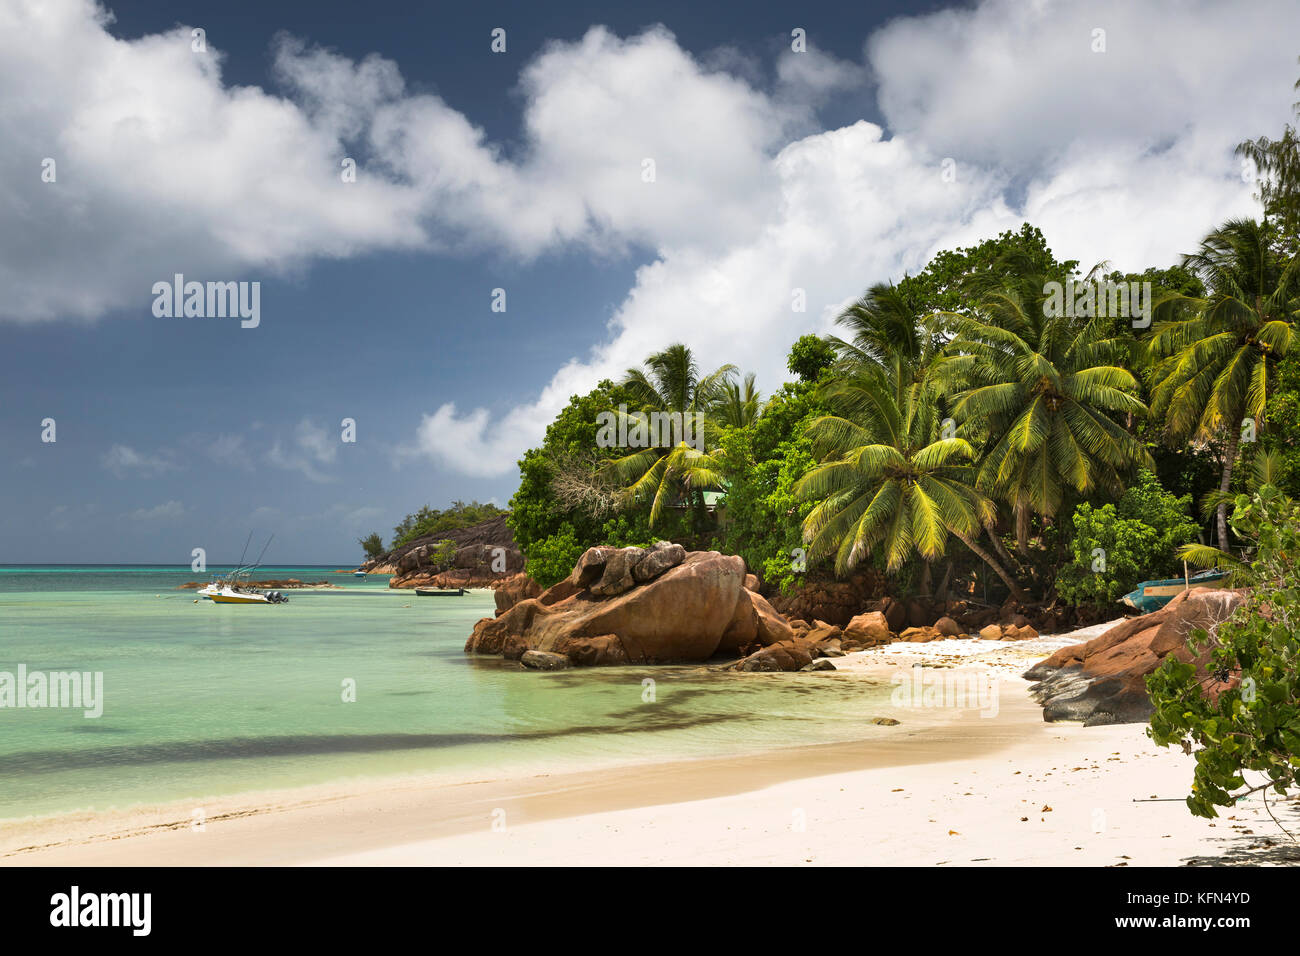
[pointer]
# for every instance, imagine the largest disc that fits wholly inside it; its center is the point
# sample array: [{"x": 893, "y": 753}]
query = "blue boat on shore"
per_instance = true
[{"x": 1153, "y": 595}]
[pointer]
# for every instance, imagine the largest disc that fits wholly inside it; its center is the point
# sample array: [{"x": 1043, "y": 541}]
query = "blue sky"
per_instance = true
[{"x": 776, "y": 169}]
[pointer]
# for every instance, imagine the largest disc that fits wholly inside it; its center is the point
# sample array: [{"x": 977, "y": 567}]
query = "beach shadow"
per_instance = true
[{"x": 1265, "y": 845}]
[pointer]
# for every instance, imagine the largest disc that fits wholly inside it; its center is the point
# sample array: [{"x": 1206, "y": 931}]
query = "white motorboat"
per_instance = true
[
  {"x": 240, "y": 594},
  {"x": 232, "y": 590}
]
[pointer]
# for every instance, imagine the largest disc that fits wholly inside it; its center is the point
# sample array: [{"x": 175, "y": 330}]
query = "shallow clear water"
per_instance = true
[{"x": 204, "y": 699}]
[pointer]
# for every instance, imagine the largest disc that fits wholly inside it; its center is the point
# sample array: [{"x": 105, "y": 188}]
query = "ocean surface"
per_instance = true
[{"x": 205, "y": 699}]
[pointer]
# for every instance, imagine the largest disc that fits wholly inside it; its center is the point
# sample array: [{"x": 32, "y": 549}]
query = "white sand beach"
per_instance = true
[{"x": 1007, "y": 789}]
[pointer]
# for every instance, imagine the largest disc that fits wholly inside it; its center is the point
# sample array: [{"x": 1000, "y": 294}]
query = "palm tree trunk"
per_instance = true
[
  {"x": 999, "y": 547},
  {"x": 1022, "y": 528},
  {"x": 1234, "y": 443},
  {"x": 943, "y": 584},
  {"x": 992, "y": 562},
  {"x": 926, "y": 579}
]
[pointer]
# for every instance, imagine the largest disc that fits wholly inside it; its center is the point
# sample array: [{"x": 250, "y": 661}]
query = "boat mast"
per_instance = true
[
  {"x": 258, "y": 563},
  {"x": 240, "y": 565}
]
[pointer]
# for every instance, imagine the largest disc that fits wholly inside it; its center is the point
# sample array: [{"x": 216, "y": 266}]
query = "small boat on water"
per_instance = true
[
  {"x": 358, "y": 574},
  {"x": 1153, "y": 595},
  {"x": 240, "y": 594},
  {"x": 438, "y": 592},
  {"x": 234, "y": 589}
]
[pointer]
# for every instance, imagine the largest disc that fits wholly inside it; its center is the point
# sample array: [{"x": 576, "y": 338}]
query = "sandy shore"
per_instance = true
[{"x": 1004, "y": 788}]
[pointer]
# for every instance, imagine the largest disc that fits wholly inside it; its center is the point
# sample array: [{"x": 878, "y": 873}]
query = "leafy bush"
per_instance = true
[
  {"x": 763, "y": 522},
  {"x": 1116, "y": 546},
  {"x": 1255, "y": 726},
  {"x": 1282, "y": 420},
  {"x": 372, "y": 544},
  {"x": 442, "y": 554},
  {"x": 550, "y": 559},
  {"x": 536, "y": 511},
  {"x": 631, "y": 531},
  {"x": 809, "y": 357}
]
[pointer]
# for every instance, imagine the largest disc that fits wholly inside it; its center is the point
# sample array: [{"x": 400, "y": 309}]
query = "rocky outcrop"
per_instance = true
[
  {"x": 870, "y": 629},
  {"x": 472, "y": 566},
  {"x": 482, "y": 556},
  {"x": 754, "y": 621},
  {"x": 785, "y": 656},
  {"x": 949, "y": 628},
  {"x": 1007, "y": 632},
  {"x": 543, "y": 661},
  {"x": 514, "y": 589},
  {"x": 836, "y": 602},
  {"x": 1103, "y": 680},
  {"x": 638, "y": 606}
]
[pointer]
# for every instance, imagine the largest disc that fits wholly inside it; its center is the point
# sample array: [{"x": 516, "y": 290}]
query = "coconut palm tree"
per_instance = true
[
  {"x": 888, "y": 479},
  {"x": 885, "y": 329},
  {"x": 740, "y": 403},
  {"x": 1277, "y": 164},
  {"x": 1042, "y": 387},
  {"x": 1213, "y": 358},
  {"x": 668, "y": 472},
  {"x": 1263, "y": 481}
]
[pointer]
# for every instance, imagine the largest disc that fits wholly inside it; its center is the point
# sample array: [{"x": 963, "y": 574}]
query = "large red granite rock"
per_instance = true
[
  {"x": 754, "y": 622},
  {"x": 514, "y": 589},
  {"x": 869, "y": 629},
  {"x": 602, "y": 614},
  {"x": 1103, "y": 681},
  {"x": 792, "y": 655}
]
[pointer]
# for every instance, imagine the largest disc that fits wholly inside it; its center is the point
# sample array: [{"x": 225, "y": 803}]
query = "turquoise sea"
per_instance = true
[{"x": 205, "y": 699}]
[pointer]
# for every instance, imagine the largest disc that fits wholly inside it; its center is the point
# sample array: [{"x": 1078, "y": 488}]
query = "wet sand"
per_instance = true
[{"x": 969, "y": 786}]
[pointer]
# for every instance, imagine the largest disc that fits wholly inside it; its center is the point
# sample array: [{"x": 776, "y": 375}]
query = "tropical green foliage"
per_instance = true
[
  {"x": 739, "y": 403},
  {"x": 959, "y": 403},
  {"x": 1277, "y": 171},
  {"x": 809, "y": 357},
  {"x": 762, "y": 463},
  {"x": 564, "y": 492},
  {"x": 1282, "y": 421},
  {"x": 1214, "y": 358},
  {"x": 442, "y": 554},
  {"x": 1048, "y": 393},
  {"x": 372, "y": 544},
  {"x": 1262, "y": 476},
  {"x": 1116, "y": 546},
  {"x": 945, "y": 284},
  {"x": 550, "y": 559},
  {"x": 889, "y": 480},
  {"x": 667, "y": 474},
  {"x": 1254, "y": 727}
]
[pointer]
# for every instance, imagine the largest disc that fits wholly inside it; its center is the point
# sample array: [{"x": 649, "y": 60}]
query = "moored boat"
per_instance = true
[
  {"x": 230, "y": 590},
  {"x": 438, "y": 592},
  {"x": 234, "y": 594},
  {"x": 1153, "y": 595}
]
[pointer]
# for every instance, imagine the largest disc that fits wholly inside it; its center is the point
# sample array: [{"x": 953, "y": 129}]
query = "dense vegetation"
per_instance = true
[
  {"x": 1254, "y": 726},
  {"x": 1117, "y": 545},
  {"x": 429, "y": 521},
  {"x": 958, "y": 419},
  {"x": 972, "y": 418}
]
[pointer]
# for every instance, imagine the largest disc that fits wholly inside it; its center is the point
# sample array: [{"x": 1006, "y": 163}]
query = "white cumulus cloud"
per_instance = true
[{"x": 162, "y": 167}]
